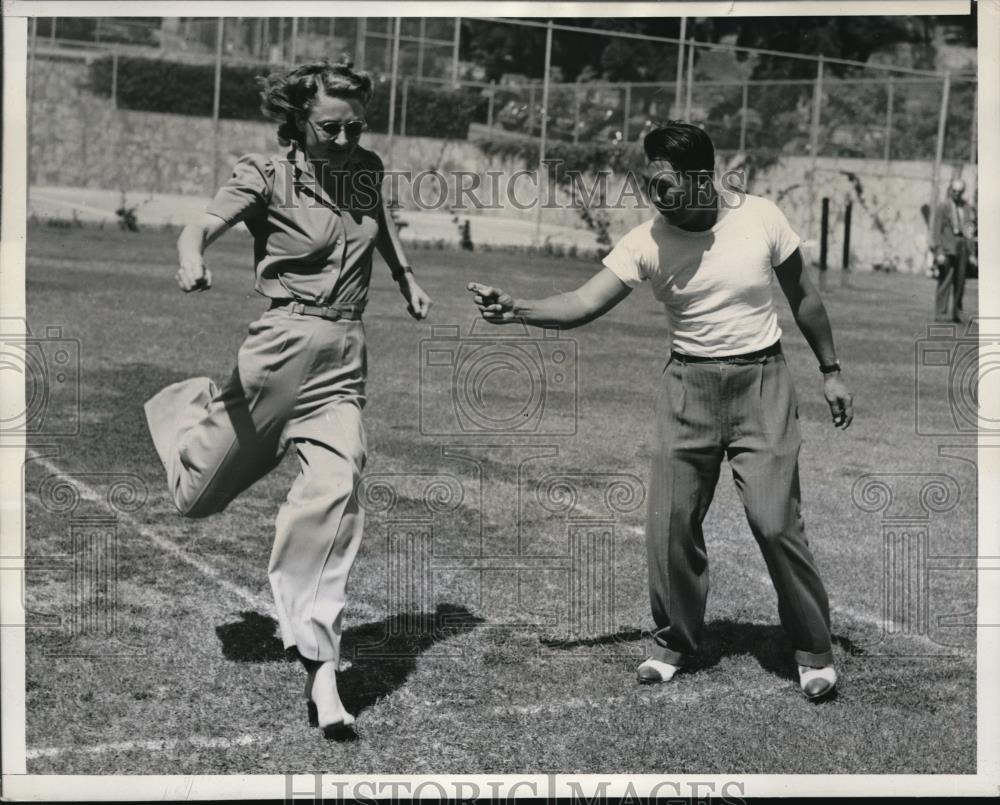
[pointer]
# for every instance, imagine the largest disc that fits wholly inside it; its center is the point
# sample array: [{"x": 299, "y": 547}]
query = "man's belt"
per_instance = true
[
  {"x": 767, "y": 352},
  {"x": 336, "y": 312}
]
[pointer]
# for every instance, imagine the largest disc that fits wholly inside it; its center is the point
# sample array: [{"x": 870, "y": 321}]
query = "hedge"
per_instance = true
[
  {"x": 154, "y": 85},
  {"x": 430, "y": 111}
]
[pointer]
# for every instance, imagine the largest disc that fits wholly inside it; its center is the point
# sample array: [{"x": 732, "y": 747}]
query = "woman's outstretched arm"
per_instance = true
[{"x": 391, "y": 248}]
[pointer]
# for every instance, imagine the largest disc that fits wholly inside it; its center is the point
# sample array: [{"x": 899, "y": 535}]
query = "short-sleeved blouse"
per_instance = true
[{"x": 310, "y": 244}]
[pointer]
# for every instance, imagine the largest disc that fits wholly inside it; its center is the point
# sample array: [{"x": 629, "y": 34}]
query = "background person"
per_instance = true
[
  {"x": 954, "y": 238},
  {"x": 315, "y": 217},
  {"x": 725, "y": 393}
]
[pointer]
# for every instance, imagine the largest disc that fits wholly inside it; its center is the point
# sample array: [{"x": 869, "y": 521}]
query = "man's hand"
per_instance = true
[
  {"x": 495, "y": 305},
  {"x": 940, "y": 259},
  {"x": 193, "y": 276},
  {"x": 418, "y": 303},
  {"x": 840, "y": 401}
]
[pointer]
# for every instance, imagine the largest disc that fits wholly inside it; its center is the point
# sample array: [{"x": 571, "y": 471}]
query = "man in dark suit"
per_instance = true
[{"x": 954, "y": 231}]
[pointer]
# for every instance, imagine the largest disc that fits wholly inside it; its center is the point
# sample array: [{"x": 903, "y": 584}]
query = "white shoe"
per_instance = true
[
  {"x": 652, "y": 672},
  {"x": 817, "y": 683}
]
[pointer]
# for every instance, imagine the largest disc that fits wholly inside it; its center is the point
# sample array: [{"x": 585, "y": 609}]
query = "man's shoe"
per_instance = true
[
  {"x": 652, "y": 672},
  {"x": 817, "y": 683}
]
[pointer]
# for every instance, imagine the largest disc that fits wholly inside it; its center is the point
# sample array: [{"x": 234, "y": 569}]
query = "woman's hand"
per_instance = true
[
  {"x": 418, "y": 303},
  {"x": 496, "y": 306},
  {"x": 193, "y": 276}
]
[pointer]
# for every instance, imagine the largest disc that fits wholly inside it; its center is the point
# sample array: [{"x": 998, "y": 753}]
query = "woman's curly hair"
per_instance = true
[{"x": 288, "y": 96}]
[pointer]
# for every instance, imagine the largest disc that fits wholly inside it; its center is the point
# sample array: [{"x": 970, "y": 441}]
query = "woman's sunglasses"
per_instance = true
[{"x": 332, "y": 128}]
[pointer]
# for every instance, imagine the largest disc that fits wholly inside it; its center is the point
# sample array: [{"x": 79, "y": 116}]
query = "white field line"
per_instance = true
[
  {"x": 259, "y": 603},
  {"x": 148, "y": 746},
  {"x": 666, "y": 694},
  {"x": 76, "y": 205},
  {"x": 263, "y": 605},
  {"x": 175, "y": 550}
]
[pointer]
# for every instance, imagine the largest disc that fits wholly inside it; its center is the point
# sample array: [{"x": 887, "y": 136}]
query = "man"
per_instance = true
[
  {"x": 954, "y": 231},
  {"x": 726, "y": 391}
]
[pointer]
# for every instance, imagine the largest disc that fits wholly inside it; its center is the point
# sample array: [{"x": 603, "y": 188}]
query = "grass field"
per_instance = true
[{"x": 485, "y": 675}]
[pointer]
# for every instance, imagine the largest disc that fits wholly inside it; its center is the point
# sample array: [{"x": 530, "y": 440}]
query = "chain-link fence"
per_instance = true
[{"x": 551, "y": 86}]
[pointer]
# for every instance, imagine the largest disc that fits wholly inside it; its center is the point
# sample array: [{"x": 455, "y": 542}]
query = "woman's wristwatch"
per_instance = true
[{"x": 829, "y": 368}]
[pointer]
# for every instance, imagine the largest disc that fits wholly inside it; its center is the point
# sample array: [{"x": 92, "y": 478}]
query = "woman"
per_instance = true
[{"x": 315, "y": 217}]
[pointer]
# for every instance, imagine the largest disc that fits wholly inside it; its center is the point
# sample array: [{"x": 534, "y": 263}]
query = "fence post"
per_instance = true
[
  {"x": 216, "y": 98},
  {"x": 114, "y": 78},
  {"x": 543, "y": 179},
  {"x": 295, "y": 40},
  {"x": 360, "y": 34},
  {"x": 402, "y": 111},
  {"x": 744, "y": 110},
  {"x": 846, "y": 263},
  {"x": 888, "y": 123},
  {"x": 259, "y": 39},
  {"x": 420, "y": 47},
  {"x": 392, "y": 90},
  {"x": 824, "y": 225},
  {"x": 973, "y": 156},
  {"x": 454, "y": 51},
  {"x": 939, "y": 151},
  {"x": 491, "y": 100},
  {"x": 531, "y": 108},
  {"x": 690, "y": 81},
  {"x": 576, "y": 113},
  {"x": 628, "y": 111},
  {"x": 678, "y": 81},
  {"x": 30, "y": 89},
  {"x": 814, "y": 139},
  {"x": 52, "y": 31}
]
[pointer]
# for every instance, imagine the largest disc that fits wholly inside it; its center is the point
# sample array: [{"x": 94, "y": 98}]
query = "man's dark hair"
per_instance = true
[{"x": 685, "y": 147}]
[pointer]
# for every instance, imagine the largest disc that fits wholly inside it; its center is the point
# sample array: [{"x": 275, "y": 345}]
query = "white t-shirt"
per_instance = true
[{"x": 718, "y": 285}]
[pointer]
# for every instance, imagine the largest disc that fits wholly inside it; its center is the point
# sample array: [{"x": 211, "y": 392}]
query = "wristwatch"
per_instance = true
[{"x": 829, "y": 368}]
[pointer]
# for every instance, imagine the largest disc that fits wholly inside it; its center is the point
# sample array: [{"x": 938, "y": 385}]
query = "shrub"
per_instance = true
[
  {"x": 158, "y": 85},
  {"x": 430, "y": 111},
  {"x": 128, "y": 220}
]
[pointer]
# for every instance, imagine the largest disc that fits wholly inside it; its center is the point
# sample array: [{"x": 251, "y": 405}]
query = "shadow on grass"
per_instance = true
[
  {"x": 624, "y": 636},
  {"x": 723, "y": 638},
  {"x": 384, "y": 653},
  {"x": 253, "y": 639}
]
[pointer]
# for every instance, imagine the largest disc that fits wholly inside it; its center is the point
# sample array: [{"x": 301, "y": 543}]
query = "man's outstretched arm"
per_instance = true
[
  {"x": 564, "y": 311},
  {"x": 810, "y": 316}
]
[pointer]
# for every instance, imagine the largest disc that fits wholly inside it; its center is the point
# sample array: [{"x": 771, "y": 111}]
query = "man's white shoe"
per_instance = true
[
  {"x": 817, "y": 683},
  {"x": 651, "y": 671}
]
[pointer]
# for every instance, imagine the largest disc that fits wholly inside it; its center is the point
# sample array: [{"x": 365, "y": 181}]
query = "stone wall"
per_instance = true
[{"x": 78, "y": 139}]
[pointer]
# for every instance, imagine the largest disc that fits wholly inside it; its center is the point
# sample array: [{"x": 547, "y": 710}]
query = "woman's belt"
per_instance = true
[{"x": 351, "y": 311}]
